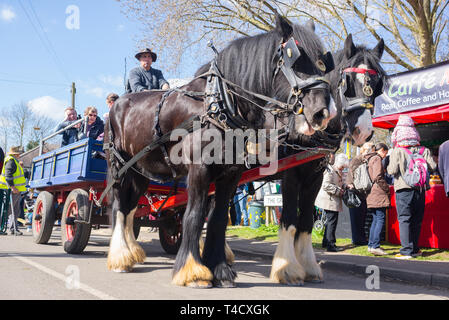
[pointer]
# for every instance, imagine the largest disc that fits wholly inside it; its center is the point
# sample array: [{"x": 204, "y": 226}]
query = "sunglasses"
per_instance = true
[{"x": 92, "y": 114}]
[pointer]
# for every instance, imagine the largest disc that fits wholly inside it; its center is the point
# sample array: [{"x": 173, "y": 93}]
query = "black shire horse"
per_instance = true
[
  {"x": 249, "y": 63},
  {"x": 355, "y": 82}
]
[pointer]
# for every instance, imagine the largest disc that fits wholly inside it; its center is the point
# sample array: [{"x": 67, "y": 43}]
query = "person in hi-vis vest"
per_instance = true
[{"x": 12, "y": 177}]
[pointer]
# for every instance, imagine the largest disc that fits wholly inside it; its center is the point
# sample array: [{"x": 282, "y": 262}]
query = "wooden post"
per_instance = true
[{"x": 267, "y": 216}]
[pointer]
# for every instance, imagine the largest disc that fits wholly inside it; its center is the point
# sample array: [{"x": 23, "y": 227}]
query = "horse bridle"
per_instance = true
[
  {"x": 353, "y": 103},
  {"x": 220, "y": 108},
  {"x": 288, "y": 53}
]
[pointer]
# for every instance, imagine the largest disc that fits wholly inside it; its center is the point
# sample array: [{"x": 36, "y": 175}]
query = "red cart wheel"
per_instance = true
[
  {"x": 170, "y": 234},
  {"x": 72, "y": 213},
  {"x": 43, "y": 217},
  {"x": 75, "y": 235}
]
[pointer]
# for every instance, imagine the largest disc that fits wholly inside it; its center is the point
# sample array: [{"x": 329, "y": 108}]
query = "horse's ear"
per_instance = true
[
  {"x": 283, "y": 27},
  {"x": 378, "y": 50},
  {"x": 311, "y": 25},
  {"x": 349, "y": 47}
]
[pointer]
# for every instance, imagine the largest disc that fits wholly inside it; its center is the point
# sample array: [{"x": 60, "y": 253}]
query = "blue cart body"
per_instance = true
[
  {"x": 73, "y": 164},
  {"x": 68, "y": 165}
]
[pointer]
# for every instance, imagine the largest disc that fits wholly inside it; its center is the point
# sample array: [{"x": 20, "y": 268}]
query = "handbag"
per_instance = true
[{"x": 351, "y": 199}]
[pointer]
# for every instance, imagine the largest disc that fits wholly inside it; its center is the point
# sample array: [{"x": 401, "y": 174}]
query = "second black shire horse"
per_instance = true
[
  {"x": 355, "y": 82},
  {"x": 252, "y": 64}
]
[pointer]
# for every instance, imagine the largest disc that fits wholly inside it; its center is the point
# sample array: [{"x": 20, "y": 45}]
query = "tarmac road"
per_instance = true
[{"x": 31, "y": 271}]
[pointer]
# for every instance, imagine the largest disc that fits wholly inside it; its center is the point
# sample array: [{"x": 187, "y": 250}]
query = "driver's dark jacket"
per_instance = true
[{"x": 140, "y": 79}]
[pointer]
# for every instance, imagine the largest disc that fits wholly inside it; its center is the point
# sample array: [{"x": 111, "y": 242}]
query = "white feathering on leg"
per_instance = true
[
  {"x": 306, "y": 257},
  {"x": 120, "y": 258},
  {"x": 136, "y": 250},
  {"x": 285, "y": 267}
]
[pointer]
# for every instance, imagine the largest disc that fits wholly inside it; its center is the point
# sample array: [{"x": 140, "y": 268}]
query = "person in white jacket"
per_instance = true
[{"x": 329, "y": 199}]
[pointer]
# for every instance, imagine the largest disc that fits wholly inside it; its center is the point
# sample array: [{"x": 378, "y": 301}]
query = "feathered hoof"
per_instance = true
[
  {"x": 193, "y": 274},
  {"x": 289, "y": 274},
  {"x": 313, "y": 279},
  {"x": 314, "y": 274},
  {"x": 121, "y": 262},
  {"x": 287, "y": 280},
  {"x": 297, "y": 283},
  {"x": 199, "y": 284},
  {"x": 306, "y": 258},
  {"x": 138, "y": 254},
  {"x": 313, "y": 271},
  {"x": 224, "y": 283},
  {"x": 284, "y": 277},
  {"x": 224, "y": 276}
]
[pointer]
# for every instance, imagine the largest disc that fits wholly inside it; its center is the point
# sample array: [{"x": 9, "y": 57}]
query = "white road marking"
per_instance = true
[{"x": 82, "y": 286}]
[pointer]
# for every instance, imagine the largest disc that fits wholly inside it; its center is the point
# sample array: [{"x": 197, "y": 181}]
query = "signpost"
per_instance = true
[{"x": 270, "y": 202}]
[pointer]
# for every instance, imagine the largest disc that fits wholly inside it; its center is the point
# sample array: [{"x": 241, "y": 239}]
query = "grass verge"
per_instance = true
[{"x": 270, "y": 234}]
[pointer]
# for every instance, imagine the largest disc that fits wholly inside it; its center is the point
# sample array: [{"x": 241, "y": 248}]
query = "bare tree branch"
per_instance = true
[{"x": 412, "y": 29}]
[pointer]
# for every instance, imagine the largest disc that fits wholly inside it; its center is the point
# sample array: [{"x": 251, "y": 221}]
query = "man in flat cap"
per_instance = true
[{"x": 145, "y": 77}]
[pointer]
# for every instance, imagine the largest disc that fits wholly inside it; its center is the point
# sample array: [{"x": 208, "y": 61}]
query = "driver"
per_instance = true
[{"x": 145, "y": 77}]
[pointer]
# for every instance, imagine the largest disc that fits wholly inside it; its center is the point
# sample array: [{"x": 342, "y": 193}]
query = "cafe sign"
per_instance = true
[{"x": 416, "y": 89}]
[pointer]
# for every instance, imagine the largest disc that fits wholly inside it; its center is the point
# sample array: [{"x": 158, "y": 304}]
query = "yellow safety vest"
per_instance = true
[{"x": 18, "y": 176}]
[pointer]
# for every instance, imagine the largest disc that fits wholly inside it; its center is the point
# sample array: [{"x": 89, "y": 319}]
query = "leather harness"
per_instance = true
[{"x": 221, "y": 109}]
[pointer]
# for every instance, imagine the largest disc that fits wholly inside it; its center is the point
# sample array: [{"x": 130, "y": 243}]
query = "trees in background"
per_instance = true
[
  {"x": 415, "y": 31},
  {"x": 19, "y": 126}
]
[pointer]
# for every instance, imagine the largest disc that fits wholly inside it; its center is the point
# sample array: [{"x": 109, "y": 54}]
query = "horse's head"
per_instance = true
[
  {"x": 300, "y": 67},
  {"x": 360, "y": 80}
]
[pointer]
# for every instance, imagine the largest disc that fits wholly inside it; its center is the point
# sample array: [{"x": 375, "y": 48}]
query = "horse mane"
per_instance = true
[
  {"x": 249, "y": 61},
  {"x": 359, "y": 58}
]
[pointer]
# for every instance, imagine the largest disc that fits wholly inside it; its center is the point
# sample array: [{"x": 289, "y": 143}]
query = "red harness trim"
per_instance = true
[
  {"x": 361, "y": 70},
  {"x": 296, "y": 41}
]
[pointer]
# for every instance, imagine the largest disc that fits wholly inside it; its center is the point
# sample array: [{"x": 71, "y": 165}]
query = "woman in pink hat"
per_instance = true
[{"x": 410, "y": 199}]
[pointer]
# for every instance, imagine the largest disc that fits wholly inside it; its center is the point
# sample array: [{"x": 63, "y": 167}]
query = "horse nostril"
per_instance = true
[{"x": 319, "y": 116}]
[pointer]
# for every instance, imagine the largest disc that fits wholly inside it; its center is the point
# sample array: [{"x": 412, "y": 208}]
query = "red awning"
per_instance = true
[{"x": 428, "y": 115}]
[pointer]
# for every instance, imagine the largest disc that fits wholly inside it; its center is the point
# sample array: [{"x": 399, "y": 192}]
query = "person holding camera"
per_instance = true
[{"x": 70, "y": 135}]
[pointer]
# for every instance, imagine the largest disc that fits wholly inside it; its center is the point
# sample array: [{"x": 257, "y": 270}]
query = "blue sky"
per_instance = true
[{"x": 40, "y": 59}]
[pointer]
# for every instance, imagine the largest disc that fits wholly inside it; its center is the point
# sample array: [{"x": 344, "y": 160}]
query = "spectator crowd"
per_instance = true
[{"x": 406, "y": 166}]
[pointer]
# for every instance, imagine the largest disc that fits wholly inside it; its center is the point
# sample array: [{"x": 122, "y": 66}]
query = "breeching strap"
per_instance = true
[{"x": 187, "y": 125}]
